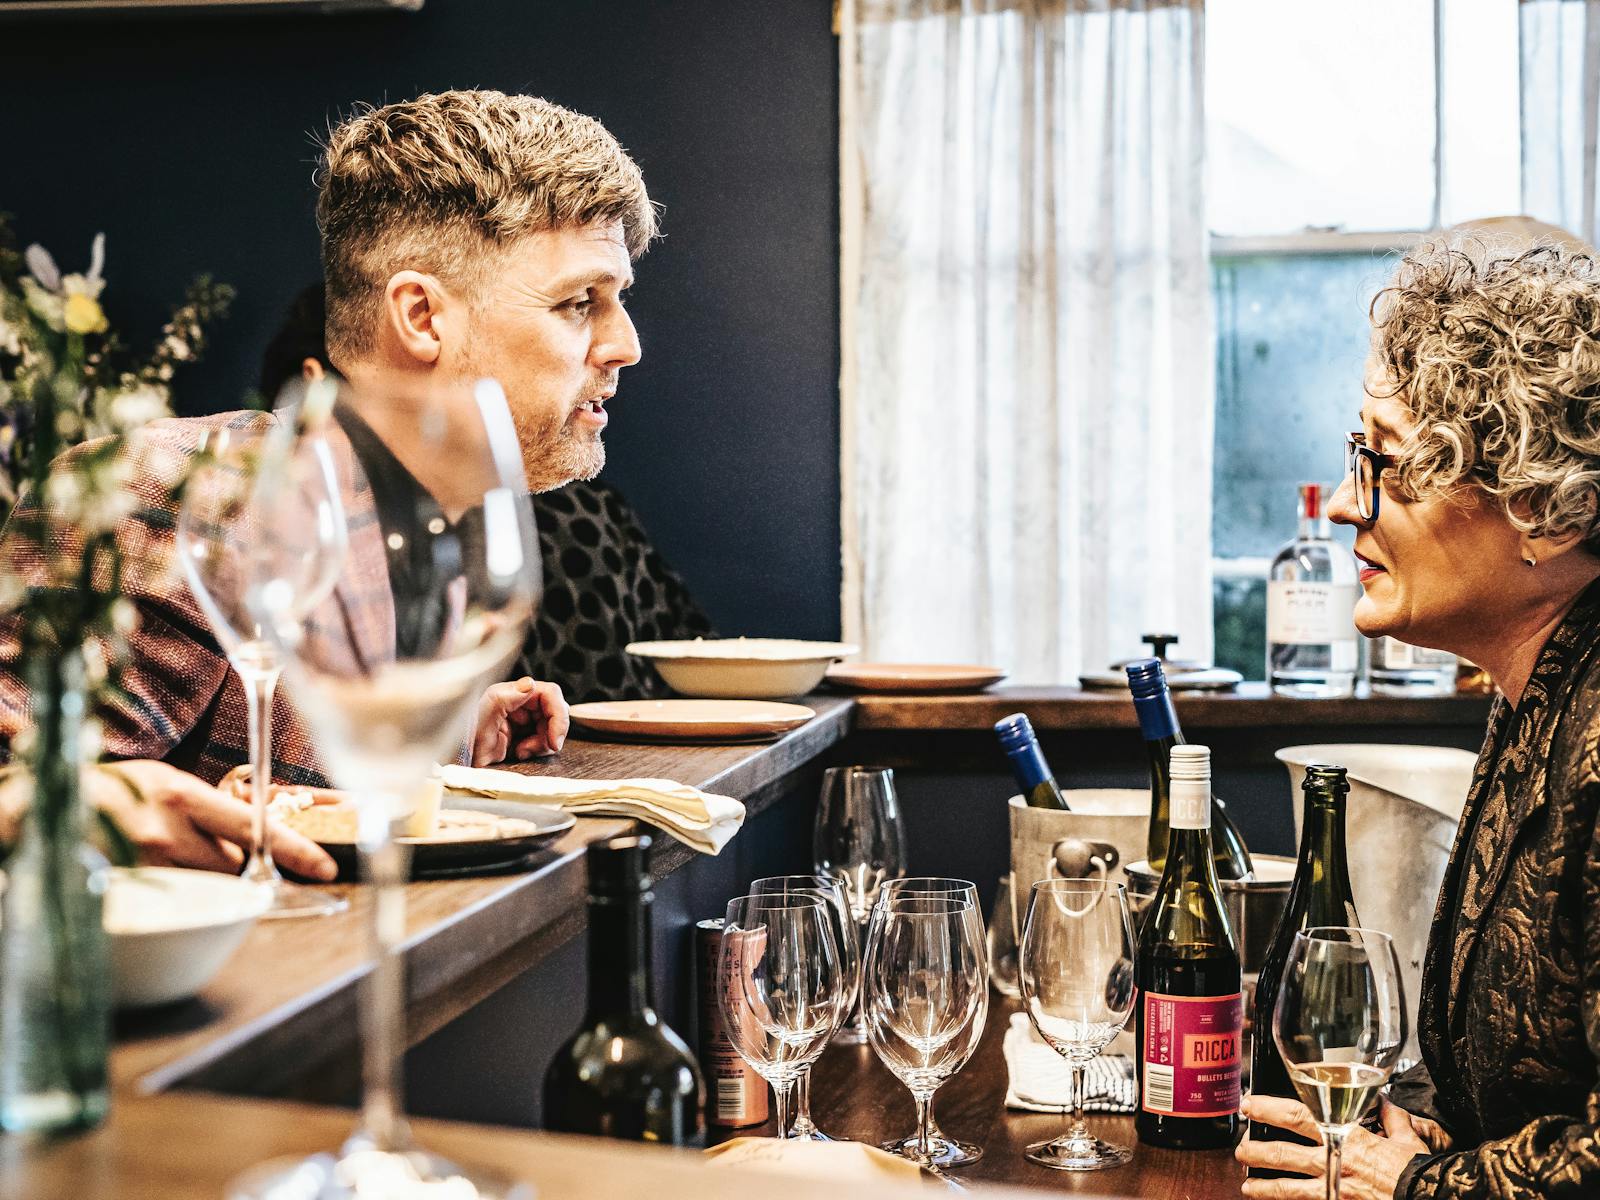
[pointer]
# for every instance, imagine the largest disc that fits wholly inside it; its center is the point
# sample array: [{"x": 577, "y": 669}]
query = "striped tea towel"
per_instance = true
[{"x": 1041, "y": 1080}]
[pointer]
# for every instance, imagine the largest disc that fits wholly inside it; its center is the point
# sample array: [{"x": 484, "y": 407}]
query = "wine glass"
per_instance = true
[
  {"x": 947, "y": 1151},
  {"x": 1076, "y": 971},
  {"x": 438, "y": 585},
  {"x": 925, "y": 988},
  {"x": 830, "y": 889},
  {"x": 1340, "y": 1024},
  {"x": 859, "y": 840},
  {"x": 222, "y": 544},
  {"x": 782, "y": 986}
]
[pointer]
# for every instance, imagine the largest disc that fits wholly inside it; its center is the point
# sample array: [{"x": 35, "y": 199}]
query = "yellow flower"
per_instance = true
[{"x": 84, "y": 315}]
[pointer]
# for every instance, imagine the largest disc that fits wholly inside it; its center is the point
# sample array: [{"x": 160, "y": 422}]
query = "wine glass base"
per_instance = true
[
  {"x": 809, "y": 1134},
  {"x": 1087, "y": 1153},
  {"x": 292, "y": 900},
  {"x": 325, "y": 1177},
  {"x": 947, "y": 1152}
]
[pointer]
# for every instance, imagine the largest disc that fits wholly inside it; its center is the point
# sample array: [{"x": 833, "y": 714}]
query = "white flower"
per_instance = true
[
  {"x": 82, "y": 285},
  {"x": 63, "y": 493},
  {"x": 124, "y": 616},
  {"x": 177, "y": 348},
  {"x": 130, "y": 410},
  {"x": 42, "y": 267}
]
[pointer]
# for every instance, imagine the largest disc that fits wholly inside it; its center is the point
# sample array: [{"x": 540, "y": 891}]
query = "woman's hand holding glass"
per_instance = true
[
  {"x": 1340, "y": 1024},
  {"x": 783, "y": 986},
  {"x": 1076, "y": 972}
]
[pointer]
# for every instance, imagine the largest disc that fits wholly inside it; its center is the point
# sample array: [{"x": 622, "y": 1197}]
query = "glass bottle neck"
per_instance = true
[
  {"x": 619, "y": 956},
  {"x": 1322, "y": 852},
  {"x": 1315, "y": 529}
]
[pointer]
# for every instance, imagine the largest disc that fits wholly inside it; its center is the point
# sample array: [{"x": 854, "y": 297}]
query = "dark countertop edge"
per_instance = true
[
  {"x": 1060, "y": 708},
  {"x": 527, "y": 906}
]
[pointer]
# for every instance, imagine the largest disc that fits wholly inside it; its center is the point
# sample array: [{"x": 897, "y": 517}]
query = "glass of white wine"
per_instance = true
[
  {"x": 1340, "y": 1024},
  {"x": 438, "y": 581}
]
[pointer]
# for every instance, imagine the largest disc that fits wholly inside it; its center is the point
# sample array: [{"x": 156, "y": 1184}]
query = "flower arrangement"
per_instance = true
[
  {"x": 72, "y": 405},
  {"x": 68, "y": 383}
]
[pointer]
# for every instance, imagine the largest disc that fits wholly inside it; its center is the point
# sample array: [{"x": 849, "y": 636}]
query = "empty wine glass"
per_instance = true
[
  {"x": 859, "y": 840},
  {"x": 434, "y": 598},
  {"x": 925, "y": 988},
  {"x": 222, "y": 545},
  {"x": 947, "y": 1151},
  {"x": 782, "y": 986},
  {"x": 830, "y": 889},
  {"x": 1076, "y": 971},
  {"x": 1340, "y": 1024}
]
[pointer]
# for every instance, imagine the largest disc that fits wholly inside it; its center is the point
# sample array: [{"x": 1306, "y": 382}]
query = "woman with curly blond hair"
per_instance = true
[{"x": 1474, "y": 486}]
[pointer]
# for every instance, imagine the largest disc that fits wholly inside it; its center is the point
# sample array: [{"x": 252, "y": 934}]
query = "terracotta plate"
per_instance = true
[
  {"x": 690, "y": 720},
  {"x": 913, "y": 677},
  {"x": 491, "y": 837}
]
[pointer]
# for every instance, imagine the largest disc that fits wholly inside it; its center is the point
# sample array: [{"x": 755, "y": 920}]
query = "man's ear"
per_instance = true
[{"x": 414, "y": 308}]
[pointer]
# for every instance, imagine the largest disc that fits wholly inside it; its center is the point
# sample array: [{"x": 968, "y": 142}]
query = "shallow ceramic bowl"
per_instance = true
[
  {"x": 741, "y": 668},
  {"x": 171, "y": 929}
]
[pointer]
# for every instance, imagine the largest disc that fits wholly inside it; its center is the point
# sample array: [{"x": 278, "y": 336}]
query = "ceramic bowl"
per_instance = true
[
  {"x": 741, "y": 668},
  {"x": 171, "y": 929}
]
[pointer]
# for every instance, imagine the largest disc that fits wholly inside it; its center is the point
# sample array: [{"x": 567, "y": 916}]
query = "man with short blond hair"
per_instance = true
[{"x": 467, "y": 234}]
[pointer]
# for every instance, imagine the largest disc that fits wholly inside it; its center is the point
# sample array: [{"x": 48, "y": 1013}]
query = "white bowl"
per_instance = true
[
  {"x": 742, "y": 668},
  {"x": 171, "y": 929}
]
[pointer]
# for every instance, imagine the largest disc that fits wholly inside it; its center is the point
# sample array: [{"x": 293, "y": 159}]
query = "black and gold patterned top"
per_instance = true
[{"x": 1509, "y": 1017}]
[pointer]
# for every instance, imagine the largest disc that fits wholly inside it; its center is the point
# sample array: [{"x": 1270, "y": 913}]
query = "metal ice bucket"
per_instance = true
[
  {"x": 1400, "y": 821},
  {"x": 1104, "y": 828}
]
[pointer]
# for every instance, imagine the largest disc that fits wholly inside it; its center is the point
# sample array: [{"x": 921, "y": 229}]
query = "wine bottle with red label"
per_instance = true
[{"x": 1190, "y": 1011}]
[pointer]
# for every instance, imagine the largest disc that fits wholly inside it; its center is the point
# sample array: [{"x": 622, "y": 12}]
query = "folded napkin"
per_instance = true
[
  {"x": 697, "y": 819},
  {"x": 1041, "y": 1080},
  {"x": 835, "y": 1162}
]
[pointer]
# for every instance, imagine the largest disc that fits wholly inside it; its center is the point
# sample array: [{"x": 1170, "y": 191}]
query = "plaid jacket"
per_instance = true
[{"x": 185, "y": 704}]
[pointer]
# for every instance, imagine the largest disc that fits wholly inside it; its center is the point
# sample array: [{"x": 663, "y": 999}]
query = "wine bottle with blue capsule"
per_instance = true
[
  {"x": 1158, "y": 721},
  {"x": 1017, "y": 739}
]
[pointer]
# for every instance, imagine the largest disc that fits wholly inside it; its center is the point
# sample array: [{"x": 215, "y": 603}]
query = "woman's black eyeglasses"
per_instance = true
[{"x": 1365, "y": 466}]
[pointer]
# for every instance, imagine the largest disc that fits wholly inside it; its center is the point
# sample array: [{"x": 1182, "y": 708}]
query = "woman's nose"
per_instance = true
[{"x": 1342, "y": 507}]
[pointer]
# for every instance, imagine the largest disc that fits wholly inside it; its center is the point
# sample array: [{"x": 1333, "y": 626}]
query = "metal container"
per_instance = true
[
  {"x": 1102, "y": 829},
  {"x": 1400, "y": 821}
]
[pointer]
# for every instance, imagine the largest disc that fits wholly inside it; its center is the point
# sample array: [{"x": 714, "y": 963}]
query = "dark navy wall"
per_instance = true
[{"x": 189, "y": 142}]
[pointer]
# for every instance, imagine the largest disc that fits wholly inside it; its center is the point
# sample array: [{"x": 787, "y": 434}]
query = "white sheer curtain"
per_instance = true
[
  {"x": 1560, "y": 53},
  {"x": 1027, "y": 376}
]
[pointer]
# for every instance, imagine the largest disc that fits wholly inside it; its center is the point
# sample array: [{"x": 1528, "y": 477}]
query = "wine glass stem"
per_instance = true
[
  {"x": 780, "y": 1092},
  {"x": 802, "y": 1103},
  {"x": 1077, "y": 1132},
  {"x": 1335, "y": 1140},
  {"x": 382, "y": 998},
  {"x": 260, "y": 687},
  {"x": 924, "y": 1123}
]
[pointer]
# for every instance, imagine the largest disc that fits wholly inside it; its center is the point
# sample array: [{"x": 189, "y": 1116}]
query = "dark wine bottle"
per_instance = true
[
  {"x": 1190, "y": 1013},
  {"x": 624, "y": 1074},
  {"x": 1158, "y": 721},
  {"x": 1319, "y": 895},
  {"x": 1039, "y": 787}
]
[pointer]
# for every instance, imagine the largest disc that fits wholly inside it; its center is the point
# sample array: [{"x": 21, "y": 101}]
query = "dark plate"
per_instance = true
[{"x": 485, "y": 856}]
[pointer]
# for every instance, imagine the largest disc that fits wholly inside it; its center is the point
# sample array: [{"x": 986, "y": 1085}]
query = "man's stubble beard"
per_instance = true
[{"x": 554, "y": 455}]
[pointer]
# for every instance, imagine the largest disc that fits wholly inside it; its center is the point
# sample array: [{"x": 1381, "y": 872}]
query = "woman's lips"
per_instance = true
[{"x": 1369, "y": 569}]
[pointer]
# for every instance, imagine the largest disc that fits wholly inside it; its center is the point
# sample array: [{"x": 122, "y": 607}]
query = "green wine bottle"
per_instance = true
[
  {"x": 1039, "y": 787},
  {"x": 624, "y": 1074},
  {"x": 1319, "y": 895},
  {"x": 1158, "y": 721},
  {"x": 1190, "y": 1013}
]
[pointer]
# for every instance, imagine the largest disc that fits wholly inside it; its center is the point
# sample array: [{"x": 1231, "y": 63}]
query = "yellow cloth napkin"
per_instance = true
[
  {"x": 833, "y": 1161},
  {"x": 698, "y": 819}
]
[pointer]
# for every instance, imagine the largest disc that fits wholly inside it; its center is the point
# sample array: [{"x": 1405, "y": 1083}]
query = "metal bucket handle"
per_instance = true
[{"x": 1075, "y": 858}]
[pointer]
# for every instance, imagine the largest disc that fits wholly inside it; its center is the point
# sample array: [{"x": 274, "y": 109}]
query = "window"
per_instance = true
[{"x": 1332, "y": 145}]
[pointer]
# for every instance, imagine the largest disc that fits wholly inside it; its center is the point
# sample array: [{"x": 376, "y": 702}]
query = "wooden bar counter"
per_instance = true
[{"x": 279, "y": 1022}]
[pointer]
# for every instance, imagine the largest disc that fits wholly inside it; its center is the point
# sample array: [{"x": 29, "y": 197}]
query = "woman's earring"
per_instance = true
[{"x": 1530, "y": 560}]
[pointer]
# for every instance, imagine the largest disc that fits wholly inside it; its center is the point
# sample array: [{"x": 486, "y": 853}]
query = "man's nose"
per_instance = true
[{"x": 619, "y": 347}]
